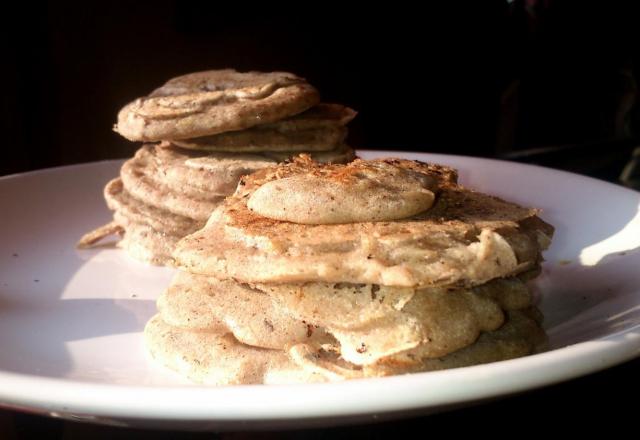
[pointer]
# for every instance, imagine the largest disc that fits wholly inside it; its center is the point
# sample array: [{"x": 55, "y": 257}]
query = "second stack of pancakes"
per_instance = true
[
  {"x": 313, "y": 272},
  {"x": 202, "y": 132}
]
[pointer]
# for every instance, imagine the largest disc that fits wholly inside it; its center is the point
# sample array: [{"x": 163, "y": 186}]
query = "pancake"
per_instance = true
[
  {"x": 367, "y": 322},
  {"x": 320, "y": 128},
  {"x": 201, "y": 175},
  {"x": 521, "y": 335},
  {"x": 219, "y": 359},
  {"x": 436, "y": 320},
  {"x": 464, "y": 238},
  {"x": 215, "y": 101}
]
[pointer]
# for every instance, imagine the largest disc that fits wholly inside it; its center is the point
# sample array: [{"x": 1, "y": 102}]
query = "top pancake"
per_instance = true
[
  {"x": 214, "y": 101},
  {"x": 466, "y": 238}
]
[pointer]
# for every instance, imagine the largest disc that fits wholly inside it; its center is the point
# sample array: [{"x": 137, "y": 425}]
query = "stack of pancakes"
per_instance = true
[
  {"x": 312, "y": 273},
  {"x": 204, "y": 131}
]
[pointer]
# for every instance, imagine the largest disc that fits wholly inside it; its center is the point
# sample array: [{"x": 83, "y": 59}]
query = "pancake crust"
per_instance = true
[{"x": 365, "y": 323}]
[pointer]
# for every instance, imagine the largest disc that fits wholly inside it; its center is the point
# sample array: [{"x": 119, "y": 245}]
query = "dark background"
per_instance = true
[
  {"x": 483, "y": 78},
  {"x": 548, "y": 82}
]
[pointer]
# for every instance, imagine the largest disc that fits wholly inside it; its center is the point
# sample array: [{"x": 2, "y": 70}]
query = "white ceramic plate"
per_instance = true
[{"x": 71, "y": 320}]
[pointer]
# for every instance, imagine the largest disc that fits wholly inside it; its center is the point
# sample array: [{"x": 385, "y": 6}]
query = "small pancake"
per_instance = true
[
  {"x": 391, "y": 320},
  {"x": 182, "y": 186},
  {"x": 215, "y": 101},
  {"x": 320, "y": 128},
  {"x": 190, "y": 183}
]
